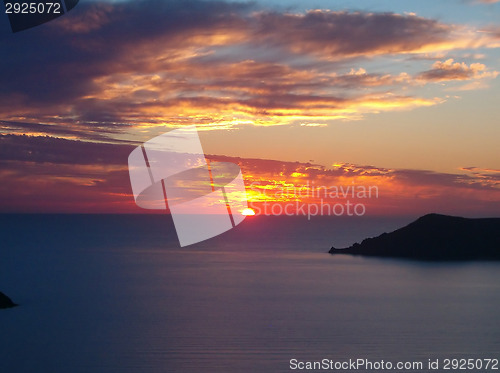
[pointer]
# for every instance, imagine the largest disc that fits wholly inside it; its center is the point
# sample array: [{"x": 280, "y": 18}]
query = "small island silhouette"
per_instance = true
[
  {"x": 5, "y": 301},
  {"x": 435, "y": 237}
]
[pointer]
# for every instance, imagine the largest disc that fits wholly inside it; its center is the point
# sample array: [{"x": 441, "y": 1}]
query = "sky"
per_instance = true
[{"x": 401, "y": 95}]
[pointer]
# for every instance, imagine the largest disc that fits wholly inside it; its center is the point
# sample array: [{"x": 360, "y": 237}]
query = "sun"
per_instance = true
[{"x": 248, "y": 212}]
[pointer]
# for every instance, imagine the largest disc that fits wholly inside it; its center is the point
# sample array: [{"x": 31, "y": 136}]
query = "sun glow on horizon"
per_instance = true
[{"x": 248, "y": 212}]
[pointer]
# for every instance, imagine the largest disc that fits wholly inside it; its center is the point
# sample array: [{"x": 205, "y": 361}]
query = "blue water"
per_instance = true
[{"x": 117, "y": 294}]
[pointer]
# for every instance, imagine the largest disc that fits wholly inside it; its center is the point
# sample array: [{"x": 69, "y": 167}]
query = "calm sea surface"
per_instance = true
[{"x": 116, "y": 294}]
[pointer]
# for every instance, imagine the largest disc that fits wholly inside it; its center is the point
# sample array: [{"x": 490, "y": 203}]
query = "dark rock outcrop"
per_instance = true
[
  {"x": 435, "y": 237},
  {"x": 5, "y": 301}
]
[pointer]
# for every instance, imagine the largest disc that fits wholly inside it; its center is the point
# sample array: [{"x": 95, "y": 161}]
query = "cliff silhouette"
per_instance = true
[{"x": 435, "y": 237}]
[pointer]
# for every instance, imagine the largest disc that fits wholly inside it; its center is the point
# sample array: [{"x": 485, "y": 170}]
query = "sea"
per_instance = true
[{"x": 116, "y": 293}]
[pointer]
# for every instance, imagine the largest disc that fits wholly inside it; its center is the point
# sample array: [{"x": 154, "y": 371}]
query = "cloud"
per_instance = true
[
  {"x": 109, "y": 69},
  {"x": 308, "y": 124},
  {"x": 393, "y": 191},
  {"x": 487, "y": 176},
  {"x": 450, "y": 70},
  {"x": 336, "y": 35},
  {"x": 47, "y": 149},
  {"x": 40, "y": 173},
  {"x": 69, "y": 131}
]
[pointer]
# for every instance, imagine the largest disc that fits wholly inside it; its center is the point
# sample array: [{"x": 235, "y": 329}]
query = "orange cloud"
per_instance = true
[
  {"x": 221, "y": 65},
  {"x": 450, "y": 70},
  {"x": 46, "y": 174},
  {"x": 379, "y": 190}
]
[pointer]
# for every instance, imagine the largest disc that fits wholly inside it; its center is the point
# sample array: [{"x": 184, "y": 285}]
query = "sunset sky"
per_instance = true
[{"x": 404, "y": 95}]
